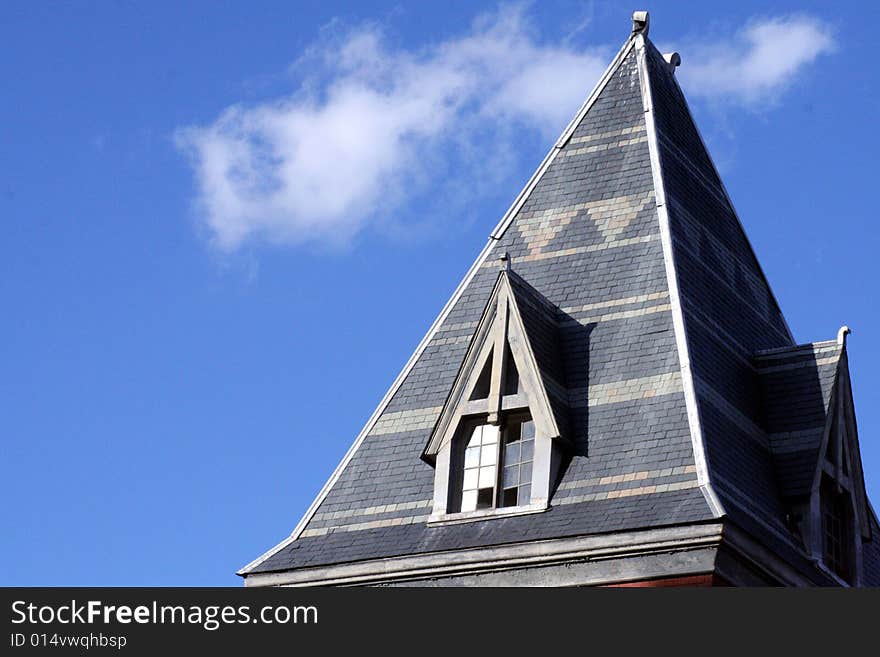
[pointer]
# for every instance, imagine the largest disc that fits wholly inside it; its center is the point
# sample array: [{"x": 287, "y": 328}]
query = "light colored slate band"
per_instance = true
[
  {"x": 361, "y": 526},
  {"x": 628, "y": 390},
  {"x": 604, "y": 147},
  {"x": 574, "y": 499},
  {"x": 630, "y": 492},
  {"x": 374, "y": 510},
  {"x": 577, "y": 310},
  {"x": 461, "y": 326},
  {"x": 621, "y": 314},
  {"x": 579, "y": 484},
  {"x": 599, "y": 305},
  {"x": 439, "y": 342},
  {"x": 601, "y": 393},
  {"x": 611, "y": 134},
  {"x": 409, "y": 420},
  {"x": 640, "y": 475}
]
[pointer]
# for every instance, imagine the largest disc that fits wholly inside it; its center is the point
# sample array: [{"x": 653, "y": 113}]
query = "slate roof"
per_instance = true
[
  {"x": 728, "y": 308},
  {"x": 796, "y": 385},
  {"x": 598, "y": 282}
]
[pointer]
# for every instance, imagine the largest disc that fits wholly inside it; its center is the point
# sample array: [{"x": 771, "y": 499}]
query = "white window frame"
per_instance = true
[{"x": 500, "y": 332}]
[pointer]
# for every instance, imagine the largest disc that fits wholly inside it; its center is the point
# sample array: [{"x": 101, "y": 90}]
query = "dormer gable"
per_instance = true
[{"x": 507, "y": 394}]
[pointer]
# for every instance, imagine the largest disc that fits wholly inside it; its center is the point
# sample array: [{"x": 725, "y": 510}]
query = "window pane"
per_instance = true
[
  {"x": 487, "y": 477},
  {"x": 524, "y": 494},
  {"x": 511, "y": 376},
  {"x": 490, "y": 434},
  {"x": 510, "y": 497},
  {"x": 472, "y": 457},
  {"x": 469, "y": 500},
  {"x": 475, "y": 436},
  {"x": 511, "y": 453},
  {"x": 488, "y": 454},
  {"x": 481, "y": 389},
  {"x": 484, "y": 498},
  {"x": 470, "y": 479},
  {"x": 511, "y": 476},
  {"x": 512, "y": 432},
  {"x": 528, "y": 430},
  {"x": 525, "y": 473},
  {"x": 527, "y": 450}
]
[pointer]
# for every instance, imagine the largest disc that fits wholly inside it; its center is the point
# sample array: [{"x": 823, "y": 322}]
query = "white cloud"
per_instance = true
[
  {"x": 354, "y": 142},
  {"x": 370, "y": 127},
  {"x": 761, "y": 62}
]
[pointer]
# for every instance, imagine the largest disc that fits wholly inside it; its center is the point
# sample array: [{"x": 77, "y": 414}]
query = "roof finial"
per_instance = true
[
  {"x": 504, "y": 261},
  {"x": 841, "y": 335},
  {"x": 673, "y": 59},
  {"x": 641, "y": 21}
]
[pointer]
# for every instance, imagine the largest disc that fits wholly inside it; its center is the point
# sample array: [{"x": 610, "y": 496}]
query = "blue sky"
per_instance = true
[{"x": 225, "y": 226}]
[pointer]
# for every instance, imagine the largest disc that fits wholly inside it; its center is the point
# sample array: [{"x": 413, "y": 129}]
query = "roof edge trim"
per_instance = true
[{"x": 693, "y": 410}]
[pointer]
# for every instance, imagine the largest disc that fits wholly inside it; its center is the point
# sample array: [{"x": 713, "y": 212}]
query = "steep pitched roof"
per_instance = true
[
  {"x": 644, "y": 305},
  {"x": 796, "y": 384}
]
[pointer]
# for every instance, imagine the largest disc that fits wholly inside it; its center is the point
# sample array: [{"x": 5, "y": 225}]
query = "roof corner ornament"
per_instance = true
[
  {"x": 841, "y": 335},
  {"x": 673, "y": 59},
  {"x": 640, "y": 22},
  {"x": 504, "y": 262}
]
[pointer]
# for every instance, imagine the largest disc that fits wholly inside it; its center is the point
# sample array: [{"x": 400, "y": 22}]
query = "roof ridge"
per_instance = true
[{"x": 697, "y": 435}]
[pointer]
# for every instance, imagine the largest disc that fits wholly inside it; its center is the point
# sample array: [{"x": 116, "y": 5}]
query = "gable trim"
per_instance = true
[
  {"x": 494, "y": 236},
  {"x": 501, "y": 327},
  {"x": 693, "y": 411},
  {"x": 841, "y": 411}
]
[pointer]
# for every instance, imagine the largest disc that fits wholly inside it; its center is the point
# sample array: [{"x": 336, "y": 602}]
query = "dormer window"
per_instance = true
[
  {"x": 837, "y": 529},
  {"x": 518, "y": 450},
  {"x": 496, "y": 446},
  {"x": 497, "y": 465},
  {"x": 839, "y": 511},
  {"x": 480, "y": 472}
]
